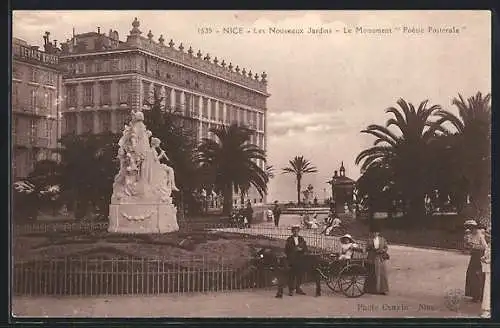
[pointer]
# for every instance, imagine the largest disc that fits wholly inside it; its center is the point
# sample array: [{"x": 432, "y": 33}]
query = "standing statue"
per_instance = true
[
  {"x": 134, "y": 147},
  {"x": 143, "y": 184}
]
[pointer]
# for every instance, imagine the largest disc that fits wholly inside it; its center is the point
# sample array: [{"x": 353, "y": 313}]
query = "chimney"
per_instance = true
[
  {"x": 55, "y": 43},
  {"x": 98, "y": 30},
  {"x": 335, "y": 174},
  {"x": 34, "y": 48}
]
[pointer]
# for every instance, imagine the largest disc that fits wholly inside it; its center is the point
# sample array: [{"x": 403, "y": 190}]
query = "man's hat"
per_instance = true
[{"x": 295, "y": 227}]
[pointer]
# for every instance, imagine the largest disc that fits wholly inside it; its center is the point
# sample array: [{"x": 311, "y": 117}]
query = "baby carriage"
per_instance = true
[{"x": 269, "y": 215}]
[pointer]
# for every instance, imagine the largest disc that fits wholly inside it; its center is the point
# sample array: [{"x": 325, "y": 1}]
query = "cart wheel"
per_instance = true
[
  {"x": 331, "y": 280},
  {"x": 352, "y": 280}
]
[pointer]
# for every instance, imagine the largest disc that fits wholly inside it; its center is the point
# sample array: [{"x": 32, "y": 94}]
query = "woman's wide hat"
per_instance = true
[
  {"x": 470, "y": 223},
  {"x": 348, "y": 237}
]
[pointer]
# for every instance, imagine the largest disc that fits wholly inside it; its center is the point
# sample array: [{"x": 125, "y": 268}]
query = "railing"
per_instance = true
[
  {"x": 126, "y": 276},
  {"x": 41, "y": 142},
  {"x": 41, "y": 227},
  {"x": 20, "y": 139}
]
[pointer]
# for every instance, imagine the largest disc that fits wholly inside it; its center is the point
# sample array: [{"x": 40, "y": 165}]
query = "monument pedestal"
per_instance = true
[{"x": 142, "y": 218}]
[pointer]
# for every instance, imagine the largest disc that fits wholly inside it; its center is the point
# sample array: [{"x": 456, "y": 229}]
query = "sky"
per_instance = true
[{"x": 325, "y": 88}]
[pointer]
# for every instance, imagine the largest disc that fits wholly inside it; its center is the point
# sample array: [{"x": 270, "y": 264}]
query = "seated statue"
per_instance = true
[{"x": 170, "y": 176}]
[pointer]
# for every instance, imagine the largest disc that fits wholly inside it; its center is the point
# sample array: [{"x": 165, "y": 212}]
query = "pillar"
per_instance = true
[
  {"x": 162, "y": 95},
  {"x": 141, "y": 94},
  {"x": 172, "y": 99},
  {"x": 200, "y": 106},
  {"x": 183, "y": 102},
  {"x": 264, "y": 119},
  {"x": 114, "y": 93},
  {"x": 95, "y": 116},
  {"x": 79, "y": 123},
  {"x": 224, "y": 114},
  {"x": 96, "y": 94},
  {"x": 135, "y": 92},
  {"x": 113, "y": 123},
  {"x": 151, "y": 91}
]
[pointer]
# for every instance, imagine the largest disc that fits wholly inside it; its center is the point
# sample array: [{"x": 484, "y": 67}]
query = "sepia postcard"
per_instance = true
[{"x": 262, "y": 164}]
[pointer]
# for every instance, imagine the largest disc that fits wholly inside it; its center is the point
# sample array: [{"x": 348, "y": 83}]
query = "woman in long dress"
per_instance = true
[
  {"x": 474, "y": 279},
  {"x": 486, "y": 266},
  {"x": 377, "y": 280}
]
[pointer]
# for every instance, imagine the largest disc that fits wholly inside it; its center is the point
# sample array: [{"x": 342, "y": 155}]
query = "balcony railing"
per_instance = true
[
  {"x": 41, "y": 142},
  {"x": 22, "y": 139}
]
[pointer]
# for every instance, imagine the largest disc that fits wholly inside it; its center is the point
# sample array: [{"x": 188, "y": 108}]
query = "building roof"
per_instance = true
[
  {"x": 87, "y": 34},
  {"x": 342, "y": 180}
]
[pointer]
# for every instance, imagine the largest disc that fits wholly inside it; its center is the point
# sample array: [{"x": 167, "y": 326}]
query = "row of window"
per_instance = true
[
  {"x": 89, "y": 96},
  {"x": 31, "y": 127},
  {"x": 184, "y": 76},
  {"x": 99, "y": 66},
  {"x": 39, "y": 98},
  {"x": 34, "y": 74},
  {"x": 210, "y": 108},
  {"x": 256, "y": 139},
  {"x": 168, "y": 72},
  {"x": 94, "y": 122}
]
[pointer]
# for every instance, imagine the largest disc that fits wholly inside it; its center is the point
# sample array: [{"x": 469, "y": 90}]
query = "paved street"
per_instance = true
[{"x": 419, "y": 280}]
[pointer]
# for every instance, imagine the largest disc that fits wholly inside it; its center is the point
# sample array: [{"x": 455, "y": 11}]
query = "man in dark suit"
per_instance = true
[
  {"x": 276, "y": 213},
  {"x": 295, "y": 248}
]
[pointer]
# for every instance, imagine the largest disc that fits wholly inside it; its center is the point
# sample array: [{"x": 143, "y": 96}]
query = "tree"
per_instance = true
[
  {"x": 88, "y": 167},
  {"x": 270, "y": 171},
  {"x": 404, "y": 154},
  {"x": 46, "y": 179},
  {"x": 471, "y": 152},
  {"x": 233, "y": 162},
  {"x": 45, "y": 173},
  {"x": 298, "y": 167}
]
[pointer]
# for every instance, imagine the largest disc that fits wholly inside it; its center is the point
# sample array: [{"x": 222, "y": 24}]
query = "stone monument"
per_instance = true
[{"x": 141, "y": 200}]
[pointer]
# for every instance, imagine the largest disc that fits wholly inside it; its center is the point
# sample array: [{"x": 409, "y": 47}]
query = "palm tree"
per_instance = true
[
  {"x": 270, "y": 171},
  {"x": 404, "y": 154},
  {"x": 471, "y": 148},
  {"x": 232, "y": 159},
  {"x": 299, "y": 166}
]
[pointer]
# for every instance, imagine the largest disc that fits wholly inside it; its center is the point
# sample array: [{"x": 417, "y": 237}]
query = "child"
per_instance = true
[
  {"x": 270, "y": 215},
  {"x": 348, "y": 247}
]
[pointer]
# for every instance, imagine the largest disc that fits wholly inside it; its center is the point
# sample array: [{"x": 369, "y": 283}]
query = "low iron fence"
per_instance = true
[
  {"x": 125, "y": 276},
  {"x": 42, "y": 227}
]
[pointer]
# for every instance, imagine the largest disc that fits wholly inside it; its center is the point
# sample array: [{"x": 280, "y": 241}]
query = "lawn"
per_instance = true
[
  {"x": 98, "y": 262},
  {"x": 234, "y": 248}
]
